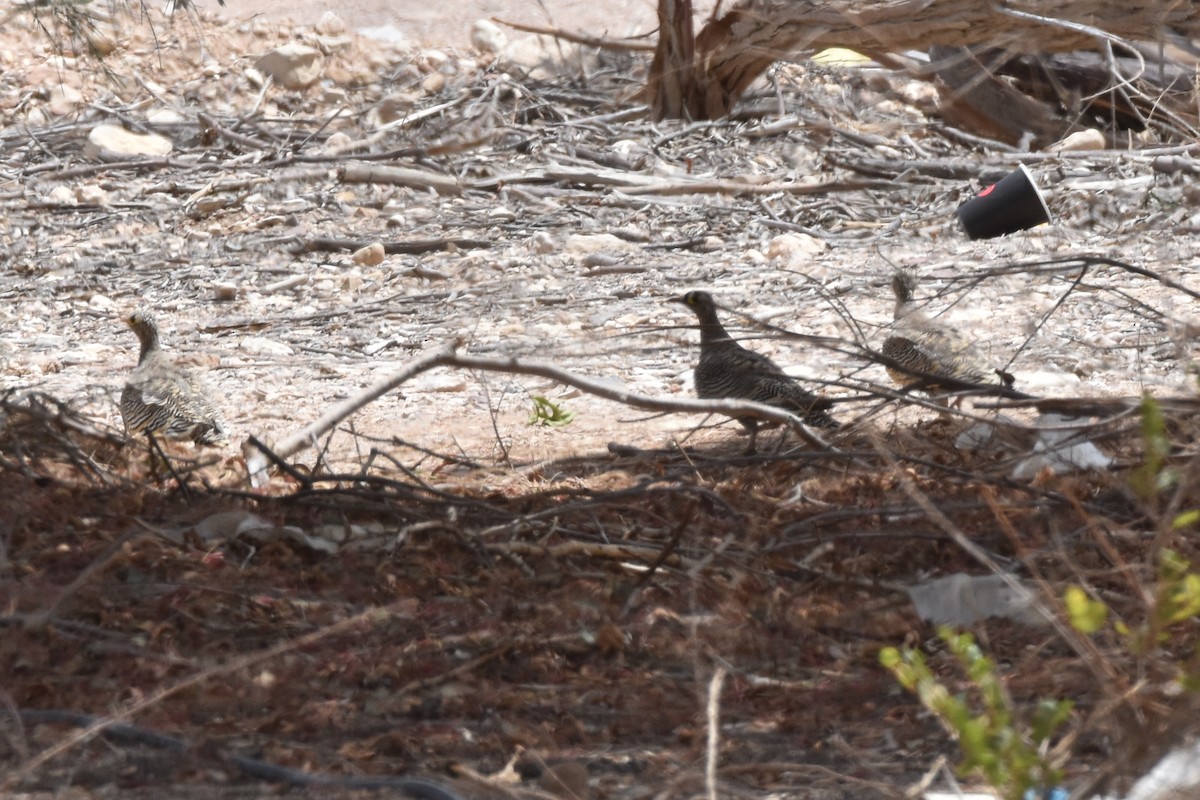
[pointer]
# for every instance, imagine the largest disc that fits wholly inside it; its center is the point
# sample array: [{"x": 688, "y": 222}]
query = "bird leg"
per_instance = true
[
  {"x": 159, "y": 455},
  {"x": 752, "y": 426}
]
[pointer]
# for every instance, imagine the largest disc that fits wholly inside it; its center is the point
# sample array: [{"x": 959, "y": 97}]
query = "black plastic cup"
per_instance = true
[{"x": 1013, "y": 204}]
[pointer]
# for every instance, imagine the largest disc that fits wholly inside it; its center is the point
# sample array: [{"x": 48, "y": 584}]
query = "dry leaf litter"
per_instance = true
[{"x": 330, "y": 212}]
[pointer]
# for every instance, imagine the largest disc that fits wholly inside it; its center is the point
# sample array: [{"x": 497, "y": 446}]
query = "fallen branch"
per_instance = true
[
  {"x": 399, "y": 176},
  {"x": 258, "y": 457},
  {"x": 333, "y": 244},
  {"x": 601, "y": 42}
]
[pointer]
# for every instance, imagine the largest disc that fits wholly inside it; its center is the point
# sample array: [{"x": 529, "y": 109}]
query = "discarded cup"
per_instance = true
[{"x": 1013, "y": 204}]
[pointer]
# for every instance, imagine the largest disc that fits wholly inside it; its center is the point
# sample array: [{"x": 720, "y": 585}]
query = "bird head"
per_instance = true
[
  {"x": 142, "y": 323},
  {"x": 695, "y": 300},
  {"x": 904, "y": 285}
]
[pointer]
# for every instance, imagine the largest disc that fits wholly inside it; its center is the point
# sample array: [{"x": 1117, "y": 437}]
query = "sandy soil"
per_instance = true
[{"x": 449, "y": 24}]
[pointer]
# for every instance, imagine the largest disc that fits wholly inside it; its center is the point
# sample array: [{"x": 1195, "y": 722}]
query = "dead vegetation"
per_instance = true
[{"x": 435, "y": 587}]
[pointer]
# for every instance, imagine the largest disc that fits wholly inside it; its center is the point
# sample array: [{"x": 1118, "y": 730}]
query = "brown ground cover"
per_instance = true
[{"x": 440, "y": 586}]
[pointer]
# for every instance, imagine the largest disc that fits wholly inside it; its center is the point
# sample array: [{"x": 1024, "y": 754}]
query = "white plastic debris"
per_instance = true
[
  {"x": 960, "y": 600},
  {"x": 1176, "y": 775},
  {"x": 1060, "y": 448}
]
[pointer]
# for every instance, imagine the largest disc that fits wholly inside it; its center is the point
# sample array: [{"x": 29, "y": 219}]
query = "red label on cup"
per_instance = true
[{"x": 986, "y": 191}]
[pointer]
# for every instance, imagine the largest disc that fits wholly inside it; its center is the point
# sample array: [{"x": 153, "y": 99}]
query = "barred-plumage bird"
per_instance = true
[
  {"x": 925, "y": 349},
  {"x": 164, "y": 398},
  {"x": 726, "y": 369}
]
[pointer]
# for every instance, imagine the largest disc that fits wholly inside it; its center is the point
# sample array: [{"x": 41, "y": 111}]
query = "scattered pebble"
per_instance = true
[
  {"x": 292, "y": 66},
  {"x": 584, "y": 243},
  {"x": 114, "y": 143},
  {"x": 225, "y": 292},
  {"x": 259, "y": 346},
  {"x": 1088, "y": 139},
  {"x": 543, "y": 243},
  {"x": 62, "y": 195},
  {"x": 487, "y": 37},
  {"x": 794, "y": 248},
  {"x": 370, "y": 256}
]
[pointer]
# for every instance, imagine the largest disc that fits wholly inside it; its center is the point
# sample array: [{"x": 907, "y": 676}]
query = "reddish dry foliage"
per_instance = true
[{"x": 509, "y": 627}]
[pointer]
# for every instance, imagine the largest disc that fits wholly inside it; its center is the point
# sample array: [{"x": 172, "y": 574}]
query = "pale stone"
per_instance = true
[
  {"x": 792, "y": 247},
  {"x": 292, "y": 66},
  {"x": 370, "y": 256},
  {"x": 114, "y": 143},
  {"x": 543, "y": 243},
  {"x": 434, "y": 82},
  {"x": 225, "y": 292},
  {"x": 165, "y": 117},
  {"x": 1089, "y": 139},
  {"x": 584, "y": 243},
  {"x": 394, "y": 106},
  {"x": 260, "y": 346},
  {"x": 64, "y": 99},
  {"x": 337, "y": 142},
  {"x": 61, "y": 195},
  {"x": 92, "y": 194},
  {"x": 434, "y": 59},
  {"x": 330, "y": 24},
  {"x": 487, "y": 37}
]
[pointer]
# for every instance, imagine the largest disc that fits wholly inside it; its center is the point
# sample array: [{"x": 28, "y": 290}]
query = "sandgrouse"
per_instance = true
[
  {"x": 728, "y": 370},
  {"x": 925, "y": 350},
  {"x": 164, "y": 398}
]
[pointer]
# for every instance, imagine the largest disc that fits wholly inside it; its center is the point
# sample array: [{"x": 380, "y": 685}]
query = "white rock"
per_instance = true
[
  {"x": 114, "y": 143},
  {"x": 92, "y": 194},
  {"x": 292, "y": 66},
  {"x": 434, "y": 59},
  {"x": 330, "y": 24},
  {"x": 793, "y": 247},
  {"x": 487, "y": 37},
  {"x": 1088, "y": 139},
  {"x": 585, "y": 243},
  {"x": 225, "y": 292},
  {"x": 259, "y": 346},
  {"x": 61, "y": 194},
  {"x": 84, "y": 354},
  {"x": 64, "y": 99},
  {"x": 542, "y": 243},
  {"x": 337, "y": 142},
  {"x": 386, "y": 33},
  {"x": 542, "y": 56},
  {"x": 433, "y": 83},
  {"x": 370, "y": 256},
  {"x": 395, "y": 106},
  {"x": 165, "y": 116}
]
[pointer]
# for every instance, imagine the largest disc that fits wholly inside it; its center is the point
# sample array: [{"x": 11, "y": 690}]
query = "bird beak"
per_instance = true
[{"x": 680, "y": 299}]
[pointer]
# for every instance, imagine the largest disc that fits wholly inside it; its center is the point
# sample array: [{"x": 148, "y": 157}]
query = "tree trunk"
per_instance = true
[{"x": 702, "y": 80}]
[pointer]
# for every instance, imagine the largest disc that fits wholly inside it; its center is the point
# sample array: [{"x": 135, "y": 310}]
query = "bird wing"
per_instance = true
[
  {"x": 932, "y": 351},
  {"x": 158, "y": 383}
]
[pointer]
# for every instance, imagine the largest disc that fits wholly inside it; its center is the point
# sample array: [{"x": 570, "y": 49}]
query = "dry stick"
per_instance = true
[
  {"x": 714, "y": 732},
  {"x": 601, "y": 42},
  {"x": 356, "y": 172},
  {"x": 370, "y": 616},
  {"x": 445, "y": 356}
]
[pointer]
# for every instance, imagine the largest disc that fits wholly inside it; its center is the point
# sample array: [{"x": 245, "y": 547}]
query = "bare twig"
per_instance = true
[{"x": 445, "y": 356}]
